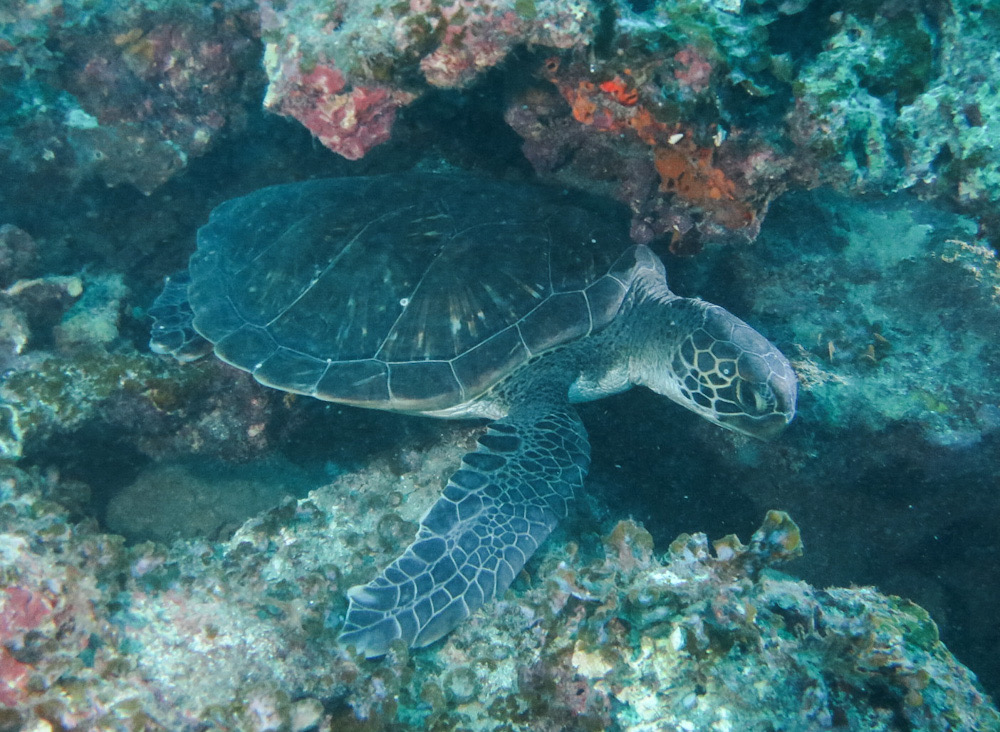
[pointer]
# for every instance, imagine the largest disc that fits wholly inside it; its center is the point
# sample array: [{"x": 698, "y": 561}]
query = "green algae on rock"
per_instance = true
[
  {"x": 69, "y": 371},
  {"x": 891, "y": 305}
]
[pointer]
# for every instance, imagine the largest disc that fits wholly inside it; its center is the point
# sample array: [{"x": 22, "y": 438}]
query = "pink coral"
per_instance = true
[
  {"x": 20, "y": 611},
  {"x": 348, "y": 122},
  {"x": 13, "y": 675},
  {"x": 387, "y": 59},
  {"x": 693, "y": 69},
  {"x": 469, "y": 45}
]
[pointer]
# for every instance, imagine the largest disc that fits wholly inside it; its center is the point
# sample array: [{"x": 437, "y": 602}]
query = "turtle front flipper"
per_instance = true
[
  {"x": 494, "y": 513},
  {"x": 173, "y": 333}
]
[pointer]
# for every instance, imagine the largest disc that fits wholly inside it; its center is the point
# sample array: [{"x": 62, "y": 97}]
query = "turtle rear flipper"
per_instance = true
[
  {"x": 494, "y": 513},
  {"x": 173, "y": 333}
]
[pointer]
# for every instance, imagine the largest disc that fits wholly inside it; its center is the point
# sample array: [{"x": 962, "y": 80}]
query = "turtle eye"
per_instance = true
[{"x": 753, "y": 397}]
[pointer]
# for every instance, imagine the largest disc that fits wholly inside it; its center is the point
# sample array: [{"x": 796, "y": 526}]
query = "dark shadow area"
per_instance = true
[
  {"x": 92, "y": 464},
  {"x": 879, "y": 509}
]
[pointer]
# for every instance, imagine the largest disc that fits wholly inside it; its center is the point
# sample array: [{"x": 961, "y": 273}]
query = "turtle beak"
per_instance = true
[
  {"x": 764, "y": 427},
  {"x": 766, "y": 406}
]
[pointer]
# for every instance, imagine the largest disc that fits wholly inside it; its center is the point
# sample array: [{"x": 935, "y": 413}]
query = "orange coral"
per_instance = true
[
  {"x": 649, "y": 129},
  {"x": 687, "y": 170},
  {"x": 622, "y": 92},
  {"x": 582, "y": 103}
]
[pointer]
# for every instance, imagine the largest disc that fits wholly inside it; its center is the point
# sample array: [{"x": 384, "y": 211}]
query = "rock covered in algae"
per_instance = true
[
  {"x": 604, "y": 634},
  {"x": 128, "y": 91},
  {"x": 67, "y": 372},
  {"x": 696, "y": 113},
  {"x": 888, "y": 310},
  {"x": 898, "y": 99}
]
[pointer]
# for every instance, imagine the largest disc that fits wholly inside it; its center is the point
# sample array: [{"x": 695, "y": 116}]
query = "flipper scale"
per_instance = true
[{"x": 493, "y": 515}]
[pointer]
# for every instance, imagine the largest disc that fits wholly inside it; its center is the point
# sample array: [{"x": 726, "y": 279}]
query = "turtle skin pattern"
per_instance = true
[{"x": 494, "y": 513}]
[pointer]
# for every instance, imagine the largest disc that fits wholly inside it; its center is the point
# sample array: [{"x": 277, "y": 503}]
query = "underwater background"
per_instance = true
[{"x": 176, "y": 540}]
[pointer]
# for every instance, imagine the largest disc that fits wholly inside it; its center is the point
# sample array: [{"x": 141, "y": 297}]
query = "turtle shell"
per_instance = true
[{"x": 414, "y": 292}]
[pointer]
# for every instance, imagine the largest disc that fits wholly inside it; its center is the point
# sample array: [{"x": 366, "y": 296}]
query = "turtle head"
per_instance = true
[{"x": 717, "y": 366}]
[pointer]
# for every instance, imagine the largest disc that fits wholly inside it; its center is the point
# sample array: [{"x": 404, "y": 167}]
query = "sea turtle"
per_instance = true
[{"x": 452, "y": 296}]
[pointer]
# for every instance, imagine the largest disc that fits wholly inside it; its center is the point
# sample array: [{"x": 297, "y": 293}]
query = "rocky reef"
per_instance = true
[
  {"x": 204, "y": 623},
  {"x": 176, "y": 541},
  {"x": 344, "y": 70},
  {"x": 696, "y": 113},
  {"x": 884, "y": 294},
  {"x": 602, "y": 634}
]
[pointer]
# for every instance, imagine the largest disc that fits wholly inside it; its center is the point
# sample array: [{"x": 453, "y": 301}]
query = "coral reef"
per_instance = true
[
  {"x": 603, "y": 637},
  {"x": 706, "y": 117},
  {"x": 689, "y": 119},
  {"x": 130, "y": 91},
  {"x": 888, "y": 309},
  {"x": 898, "y": 98},
  {"x": 606, "y": 638},
  {"x": 344, "y": 70},
  {"x": 163, "y": 410},
  {"x": 697, "y": 113},
  {"x": 684, "y": 180},
  {"x": 241, "y": 634},
  {"x": 66, "y": 373}
]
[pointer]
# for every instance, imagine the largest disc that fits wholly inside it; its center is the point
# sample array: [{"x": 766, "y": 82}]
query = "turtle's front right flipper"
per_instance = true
[
  {"x": 494, "y": 513},
  {"x": 173, "y": 333}
]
